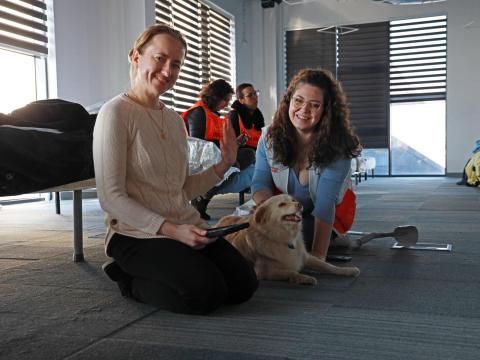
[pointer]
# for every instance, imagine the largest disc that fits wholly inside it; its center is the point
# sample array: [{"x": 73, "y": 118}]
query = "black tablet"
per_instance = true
[
  {"x": 342, "y": 258},
  {"x": 225, "y": 230}
]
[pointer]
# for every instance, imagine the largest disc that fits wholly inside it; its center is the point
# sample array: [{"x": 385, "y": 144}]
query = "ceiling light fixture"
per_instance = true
[
  {"x": 408, "y": 2},
  {"x": 337, "y": 30},
  {"x": 472, "y": 25},
  {"x": 296, "y": 2}
]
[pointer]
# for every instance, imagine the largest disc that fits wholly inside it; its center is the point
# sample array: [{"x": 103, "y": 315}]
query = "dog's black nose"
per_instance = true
[{"x": 290, "y": 246}]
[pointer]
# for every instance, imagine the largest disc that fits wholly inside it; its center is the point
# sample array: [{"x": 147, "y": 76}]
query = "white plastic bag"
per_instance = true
[{"x": 203, "y": 154}]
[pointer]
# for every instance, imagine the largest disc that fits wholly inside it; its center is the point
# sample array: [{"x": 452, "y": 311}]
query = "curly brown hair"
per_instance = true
[
  {"x": 333, "y": 136},
  {"x": 214, "y": 92}
]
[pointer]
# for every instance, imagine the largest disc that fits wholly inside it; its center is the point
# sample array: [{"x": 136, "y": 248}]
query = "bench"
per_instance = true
[{"x": 77, "y": 188}]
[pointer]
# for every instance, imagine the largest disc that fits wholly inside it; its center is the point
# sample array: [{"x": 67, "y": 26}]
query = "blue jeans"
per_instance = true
[{"x": 237, "y": 182}]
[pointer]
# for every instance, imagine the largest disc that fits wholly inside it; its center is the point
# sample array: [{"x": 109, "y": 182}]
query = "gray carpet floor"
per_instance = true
[{"x": 406, "y": 304}]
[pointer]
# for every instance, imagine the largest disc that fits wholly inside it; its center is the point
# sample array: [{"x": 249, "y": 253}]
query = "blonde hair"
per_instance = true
[{"x": 147, "y": 35}]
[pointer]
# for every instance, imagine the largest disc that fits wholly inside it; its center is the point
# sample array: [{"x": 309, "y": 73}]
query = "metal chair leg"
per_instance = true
[
  {"x": 57, "y": 203},
  {"x": 77, "y": 227}
]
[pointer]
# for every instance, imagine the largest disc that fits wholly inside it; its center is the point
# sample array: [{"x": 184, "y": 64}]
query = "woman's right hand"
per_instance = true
[
  {"x": 190, "y": 235},
  {"x": 228, "y": 148}
]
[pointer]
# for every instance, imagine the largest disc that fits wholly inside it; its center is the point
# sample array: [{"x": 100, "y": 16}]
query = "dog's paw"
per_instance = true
[
  {"x": 303, "y": 279},
  {"x": 354, "y": 271}
]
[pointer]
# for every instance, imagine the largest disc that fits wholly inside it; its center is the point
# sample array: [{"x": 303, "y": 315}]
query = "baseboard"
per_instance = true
[{"x": 21, "y": 201}]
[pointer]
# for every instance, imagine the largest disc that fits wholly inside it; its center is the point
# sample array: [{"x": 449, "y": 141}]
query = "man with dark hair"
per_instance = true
[
  {"x": 245, "y": 116},
  {"x": 203, "y": 121}
]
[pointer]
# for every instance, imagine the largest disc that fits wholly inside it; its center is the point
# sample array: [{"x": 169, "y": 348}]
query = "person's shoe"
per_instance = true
[
  {"x": 341, "y": 240},
  {"x": 116, "y": 274},
  {"x": 200, "y": 203}
]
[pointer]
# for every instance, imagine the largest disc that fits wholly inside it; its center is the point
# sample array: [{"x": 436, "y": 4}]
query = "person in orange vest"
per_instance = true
[
  {"x": 203, "y": 121},
  {"x": 245, "y": 116}
]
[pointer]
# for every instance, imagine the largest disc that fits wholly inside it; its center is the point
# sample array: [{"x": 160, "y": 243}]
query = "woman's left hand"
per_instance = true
[{"x": 228, "y": 148}]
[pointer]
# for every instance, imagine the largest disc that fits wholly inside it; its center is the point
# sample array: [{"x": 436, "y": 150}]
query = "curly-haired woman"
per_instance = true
[{"x": 307, "y": 151}]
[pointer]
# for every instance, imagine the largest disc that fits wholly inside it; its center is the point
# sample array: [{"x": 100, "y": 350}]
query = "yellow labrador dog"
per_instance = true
[{"x": 274, "y": 242}]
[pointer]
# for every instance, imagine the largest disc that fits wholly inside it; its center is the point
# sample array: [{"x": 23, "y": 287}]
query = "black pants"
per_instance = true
[
  {"x": 173, "y": 276},
  {"x": 245, "y": 157}
]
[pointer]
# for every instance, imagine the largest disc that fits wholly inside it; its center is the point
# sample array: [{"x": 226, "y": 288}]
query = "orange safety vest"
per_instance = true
[
  {"x": 214, "y": 123},
  {"x": 345, "y": 212},
  {"x": 253, "y": 134}
]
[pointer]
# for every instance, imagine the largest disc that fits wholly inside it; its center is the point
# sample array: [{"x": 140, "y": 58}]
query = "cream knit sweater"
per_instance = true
[{"x": 141, "y": 169}]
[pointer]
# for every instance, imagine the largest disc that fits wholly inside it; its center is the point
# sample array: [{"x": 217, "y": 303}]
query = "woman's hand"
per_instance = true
[
  {"x": 190, "y": 235},
  {"x": 228, "y": 148},
  {"x": 260, "y": 196}
]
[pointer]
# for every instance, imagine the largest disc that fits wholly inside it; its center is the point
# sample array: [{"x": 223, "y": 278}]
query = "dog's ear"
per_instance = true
[{"x": 259, "y": 214}]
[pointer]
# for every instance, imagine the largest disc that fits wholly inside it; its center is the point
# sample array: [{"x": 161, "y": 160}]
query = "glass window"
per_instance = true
[
  {"x": 417, "y": 138},
  {"x": 17, "y": 72},
  {"x": 381, "y": 160},
  {"x": 23, "y": 50}
]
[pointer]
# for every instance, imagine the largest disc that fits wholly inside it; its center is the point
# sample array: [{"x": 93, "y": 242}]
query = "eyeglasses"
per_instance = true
[
  {"x": 298, "y": 103},
  {"x": 252, "y": 94}
]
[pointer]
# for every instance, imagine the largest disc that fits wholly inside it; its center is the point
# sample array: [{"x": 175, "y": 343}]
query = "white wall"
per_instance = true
[
  {"x": 92, "y": 40},
  {"x": 256, "y": 34},
  {"x": 463, "y": 57}
]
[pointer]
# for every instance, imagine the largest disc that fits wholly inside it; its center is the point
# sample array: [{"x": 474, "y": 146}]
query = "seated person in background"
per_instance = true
[
  {"x": 307, "y": 151},
  {"x": 471, "y": 171},
  {"x": 203, "y": 121},
  {"x": 245, "y": 116}
]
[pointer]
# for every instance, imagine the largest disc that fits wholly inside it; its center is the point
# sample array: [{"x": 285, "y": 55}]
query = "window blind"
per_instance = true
[
  {"x": 363, "y": 69},
  {"x": 23, "y": 26},
  {"x": 209, "y": 36},
  {"x": 418, "y": 59},
  {"x": 309, "y": 49}
]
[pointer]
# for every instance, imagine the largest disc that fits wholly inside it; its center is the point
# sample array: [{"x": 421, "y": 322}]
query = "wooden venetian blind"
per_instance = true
[
  {"x": 363, "y": 69},
  {"x": 418, "y": 59},
  {"x": 309, "y": 49},
  {"x": 23, "y": 26},
  {"x": 209, "y": 35}
]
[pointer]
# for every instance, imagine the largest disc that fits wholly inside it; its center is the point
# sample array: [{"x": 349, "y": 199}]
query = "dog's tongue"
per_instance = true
[{"x": 292, "y": 218}]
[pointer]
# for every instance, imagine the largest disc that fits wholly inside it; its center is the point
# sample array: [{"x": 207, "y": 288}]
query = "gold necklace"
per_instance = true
[{"x": 160, "y": 126}]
